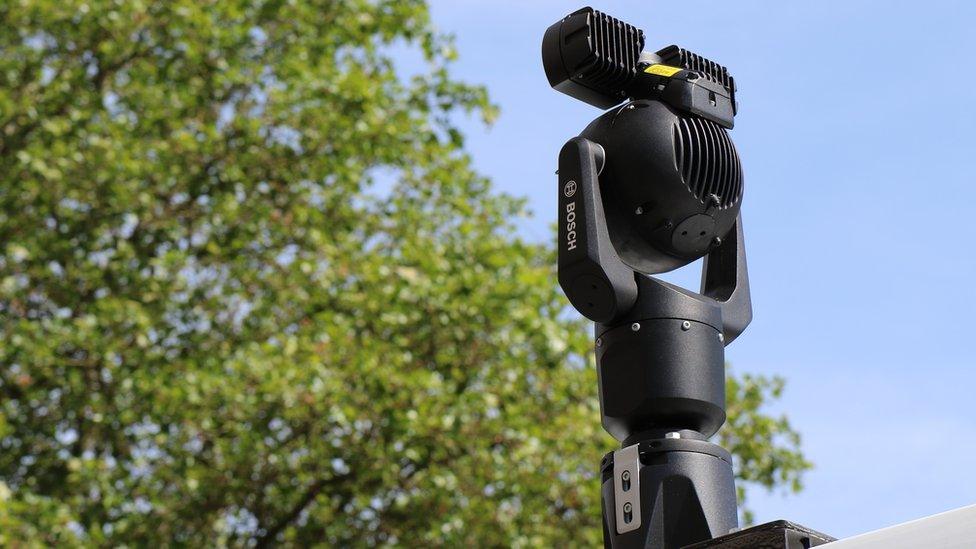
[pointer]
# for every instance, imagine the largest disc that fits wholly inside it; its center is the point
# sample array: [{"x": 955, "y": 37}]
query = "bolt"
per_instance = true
[
  {"x": 672, "y": 435},
  {"x": 599, "y": 342},
  {"x": 625, "y": 475},
  {"x": 721, "y": 338},
  {"x": 628, "y": 507},
  {"x": 635, "y": 326},
  {"x": 685, "y": 326},
  {"x": 639, "y": 210},
  {"x": 716, "y": 242}
]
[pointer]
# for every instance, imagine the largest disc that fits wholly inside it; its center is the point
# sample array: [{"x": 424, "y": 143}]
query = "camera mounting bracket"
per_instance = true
[{"x": 604, "y": 289}]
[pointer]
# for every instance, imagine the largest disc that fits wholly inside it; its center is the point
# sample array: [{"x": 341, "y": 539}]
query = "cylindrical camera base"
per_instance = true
[{"x": 667, "y": 493}]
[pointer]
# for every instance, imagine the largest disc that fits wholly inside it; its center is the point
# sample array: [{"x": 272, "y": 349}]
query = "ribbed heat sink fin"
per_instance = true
[
  {"x": 708, "y": 161},
  {"x": 680, "y": 57},
  {"x": 594, "y": 57},
  {"x": 616, "y": 47}
]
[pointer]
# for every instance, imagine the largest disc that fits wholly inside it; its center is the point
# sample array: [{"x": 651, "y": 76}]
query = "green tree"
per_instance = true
[{"x": 251, "y": 291}]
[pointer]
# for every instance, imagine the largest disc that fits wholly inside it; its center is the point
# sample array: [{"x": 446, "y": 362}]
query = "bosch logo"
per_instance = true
[
  {"x": 570, "y": 188},
  {"x": 571, "y": 226}
]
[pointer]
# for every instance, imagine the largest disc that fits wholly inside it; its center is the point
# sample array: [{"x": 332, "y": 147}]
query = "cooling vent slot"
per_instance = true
[
  {"x": 707, "y": 160},
  {"x": 680, "y": 57},
  {"x": 616, "y": 48}
]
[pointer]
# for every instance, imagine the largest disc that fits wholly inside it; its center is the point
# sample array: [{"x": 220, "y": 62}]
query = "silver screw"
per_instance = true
[
  {"x": 599, "y": 342},
  {"x": 672, "y": 435},
  {"x": 625, "y": 475},
  {"x": 628, "y": 507},
  {"x": 721, "y": 338},
  {"x": 686, "y": 325},
  {"x": 639, "y": 210},
  {"x": 635, "y": 326}
]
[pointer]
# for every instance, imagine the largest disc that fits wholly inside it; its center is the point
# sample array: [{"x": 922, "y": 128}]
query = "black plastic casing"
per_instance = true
[
  {"x": 708, "y": 69},
  {"x": 592, "y": 57},
  {"x": 660, "y": 362},
  {"x": 687, "y": 490},
  {"x": 595, "y": 281},
  {"x": 688, "y": 91},
  {"x": 671, "y": 187},
  {"x": 597, "y": 59},
  {"x": 648, "y": 187},
  {"x": 669, "y": 373}
]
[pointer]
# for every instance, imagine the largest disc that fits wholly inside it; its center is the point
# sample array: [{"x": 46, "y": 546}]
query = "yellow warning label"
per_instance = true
[{"x": 662, "y": 70}]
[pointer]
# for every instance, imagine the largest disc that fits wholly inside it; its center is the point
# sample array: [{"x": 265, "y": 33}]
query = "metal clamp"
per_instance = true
[{"x": 626, "y": 488}]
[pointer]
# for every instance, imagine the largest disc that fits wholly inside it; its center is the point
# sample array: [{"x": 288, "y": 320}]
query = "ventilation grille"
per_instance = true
[
  {"x": 707, "y": 160},
  {"x": 615, "y": 49},
  {"x": 680, "y": 57}
]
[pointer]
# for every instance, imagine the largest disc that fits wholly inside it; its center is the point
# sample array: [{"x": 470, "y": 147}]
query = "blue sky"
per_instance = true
[{"x": 857, "y": 131}]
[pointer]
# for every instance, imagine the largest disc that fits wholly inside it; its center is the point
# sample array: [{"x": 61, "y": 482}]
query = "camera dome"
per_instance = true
[{"x": 671, "y": 184}]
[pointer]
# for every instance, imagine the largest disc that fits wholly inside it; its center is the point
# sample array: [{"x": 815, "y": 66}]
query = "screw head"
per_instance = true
[
  {"x": 721, "y": 338},
  {"x": 685, "y": 326},
  {"x": 599, "y": 342},
  {"x": 635, "y": 326},
  {"x": 639, "y": 210},
  {"x": 625, "y": 475},
  {"x": 628, "y": 507}
]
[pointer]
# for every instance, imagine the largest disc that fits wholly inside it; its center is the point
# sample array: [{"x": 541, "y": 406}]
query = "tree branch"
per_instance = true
[{"x": 266, "y": 539}]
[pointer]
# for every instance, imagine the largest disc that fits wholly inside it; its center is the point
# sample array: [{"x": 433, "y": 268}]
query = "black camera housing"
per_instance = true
[
  {"x": 652, "y": 185},
  {"x": 671, "y": 186},
  {"x": 600, "y": 60}
]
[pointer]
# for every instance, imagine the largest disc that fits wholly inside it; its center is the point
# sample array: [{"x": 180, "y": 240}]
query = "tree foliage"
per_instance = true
[{"x": 251, "y": 291}]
